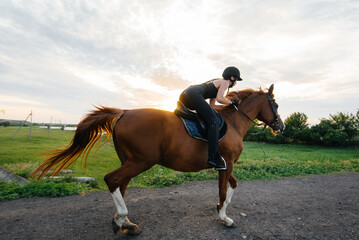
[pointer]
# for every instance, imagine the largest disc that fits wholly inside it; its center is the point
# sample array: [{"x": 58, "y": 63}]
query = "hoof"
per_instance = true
[
  {"x": 233, "y": 225},
  {"x": 130, "y": 228},
  {"x": 115, "y": 227},
  {"x": 132, "y": 231}
]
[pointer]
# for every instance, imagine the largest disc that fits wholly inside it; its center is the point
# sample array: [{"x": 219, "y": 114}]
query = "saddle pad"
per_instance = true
[{"x": 192, "y": 129}]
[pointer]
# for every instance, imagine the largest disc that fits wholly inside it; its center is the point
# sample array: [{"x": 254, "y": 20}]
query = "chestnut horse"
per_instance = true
[{"x": 145, "y": 137}]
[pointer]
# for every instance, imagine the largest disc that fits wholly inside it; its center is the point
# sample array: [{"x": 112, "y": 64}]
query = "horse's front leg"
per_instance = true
[{"x": 225, "y": 196}]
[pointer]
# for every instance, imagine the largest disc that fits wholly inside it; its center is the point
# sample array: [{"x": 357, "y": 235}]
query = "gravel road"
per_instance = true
[{"x": 315, "y": 207}]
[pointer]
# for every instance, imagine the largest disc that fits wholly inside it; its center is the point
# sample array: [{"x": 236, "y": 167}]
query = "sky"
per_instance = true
[{"x": 60, "y": 58}]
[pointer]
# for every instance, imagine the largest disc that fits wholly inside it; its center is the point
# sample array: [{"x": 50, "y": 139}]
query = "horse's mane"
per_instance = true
[{"x": 242, "y": 94}]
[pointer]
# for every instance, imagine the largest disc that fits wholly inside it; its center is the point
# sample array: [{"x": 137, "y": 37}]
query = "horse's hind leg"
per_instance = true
[
  {"x": 117, "y": 182},
  {"x": 225, "y": 196}
]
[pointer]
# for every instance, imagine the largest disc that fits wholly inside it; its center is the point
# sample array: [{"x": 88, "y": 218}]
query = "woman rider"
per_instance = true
[{"x": 194, "y": 98}]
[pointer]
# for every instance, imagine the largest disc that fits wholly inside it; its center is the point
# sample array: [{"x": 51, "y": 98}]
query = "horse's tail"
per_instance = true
[{"x": 88, "y": 132}]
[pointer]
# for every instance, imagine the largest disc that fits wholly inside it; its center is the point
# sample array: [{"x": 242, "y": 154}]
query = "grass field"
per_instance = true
[{"x": 21, "y": 156}]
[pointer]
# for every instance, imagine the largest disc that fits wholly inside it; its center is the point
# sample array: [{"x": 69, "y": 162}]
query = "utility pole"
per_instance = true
[
  {"x": 30, "y": 125},
  {"x": 22, "y": 123}
]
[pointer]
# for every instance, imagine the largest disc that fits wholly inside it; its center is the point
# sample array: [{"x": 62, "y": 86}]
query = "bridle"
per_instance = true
[{"x": 275, "y": 124}]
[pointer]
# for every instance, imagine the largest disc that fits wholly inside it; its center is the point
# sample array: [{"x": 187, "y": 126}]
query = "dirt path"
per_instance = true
[{"x": 319, "y": 207}]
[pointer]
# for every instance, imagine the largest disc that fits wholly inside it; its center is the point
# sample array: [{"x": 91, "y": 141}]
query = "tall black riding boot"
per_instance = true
[{"x": 214, "y": 158}]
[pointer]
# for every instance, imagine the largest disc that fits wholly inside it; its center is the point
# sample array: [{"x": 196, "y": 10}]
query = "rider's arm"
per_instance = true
[
  {"x": 222, "y": 88},
  {"x": 212, "y": 102}
]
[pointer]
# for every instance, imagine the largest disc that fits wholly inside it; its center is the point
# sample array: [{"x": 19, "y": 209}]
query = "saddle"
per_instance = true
[{"x": 196, "y": 126}]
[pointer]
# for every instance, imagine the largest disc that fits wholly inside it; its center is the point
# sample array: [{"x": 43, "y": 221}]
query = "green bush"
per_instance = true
[
  {"x": 340, "y": 130},
  {"x": 45, "y": 188},
  {"x": 346, "y": 123},
  {"x": 5, "y": 124},
  {"x": 296, "y": 130},
  {"x": 161, "y": 179}
]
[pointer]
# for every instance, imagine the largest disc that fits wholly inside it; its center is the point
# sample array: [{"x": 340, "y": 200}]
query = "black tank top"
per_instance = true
[{"x": 207, "y": 89}]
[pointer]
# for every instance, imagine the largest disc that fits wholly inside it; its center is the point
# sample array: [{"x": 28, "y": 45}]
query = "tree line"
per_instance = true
[{"x": 340, "y": 129}]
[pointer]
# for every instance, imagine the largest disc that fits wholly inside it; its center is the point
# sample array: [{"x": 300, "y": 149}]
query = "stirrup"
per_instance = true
[
  {"x": 218, "y": 167},
  {"x": 222, "y": 168}
]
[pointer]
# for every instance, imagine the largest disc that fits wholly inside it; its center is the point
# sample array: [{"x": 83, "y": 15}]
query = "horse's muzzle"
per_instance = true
[{"x": 278, "y": 126}]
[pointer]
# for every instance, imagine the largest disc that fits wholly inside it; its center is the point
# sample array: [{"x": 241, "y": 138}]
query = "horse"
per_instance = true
[{"x": 145, "y": 137}]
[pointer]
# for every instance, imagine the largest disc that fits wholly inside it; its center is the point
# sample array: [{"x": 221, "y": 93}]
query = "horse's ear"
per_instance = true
[{"x": 270, "y": 91}]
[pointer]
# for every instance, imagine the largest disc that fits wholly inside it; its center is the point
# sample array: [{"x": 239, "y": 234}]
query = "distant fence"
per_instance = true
[{"x": 59, "y": 127}]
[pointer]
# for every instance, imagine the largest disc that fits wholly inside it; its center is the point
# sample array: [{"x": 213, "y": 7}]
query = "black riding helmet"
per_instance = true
[{"x": 229, "y": 72}]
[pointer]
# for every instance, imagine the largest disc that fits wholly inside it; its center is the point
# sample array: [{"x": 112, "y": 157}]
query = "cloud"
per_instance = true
[
  {"x": 20, "y": 101},
  {"x": 68, "y": 55},
  {"x": 167, "y": 78}
]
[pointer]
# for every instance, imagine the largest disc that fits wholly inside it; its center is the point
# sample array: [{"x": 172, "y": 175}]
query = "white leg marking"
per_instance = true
[
  {"x": 122, "y": 211},
  {"x": 222, "y": 212}
]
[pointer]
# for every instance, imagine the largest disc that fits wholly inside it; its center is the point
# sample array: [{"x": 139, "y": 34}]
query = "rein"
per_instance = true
[
  {"x": 245, "y": 114},
  {"x": 271, "y": 124}
]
